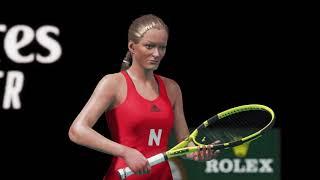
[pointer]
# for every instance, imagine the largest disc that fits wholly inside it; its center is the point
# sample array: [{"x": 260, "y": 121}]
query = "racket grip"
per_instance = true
[{"x": 156, "y": 159}]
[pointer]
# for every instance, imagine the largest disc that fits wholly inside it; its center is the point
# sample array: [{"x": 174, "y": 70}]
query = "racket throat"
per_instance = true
[{"x": 180, "y": 152}]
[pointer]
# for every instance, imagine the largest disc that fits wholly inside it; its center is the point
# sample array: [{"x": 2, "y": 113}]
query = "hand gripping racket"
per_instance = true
[{"x": 231, "y": 127}]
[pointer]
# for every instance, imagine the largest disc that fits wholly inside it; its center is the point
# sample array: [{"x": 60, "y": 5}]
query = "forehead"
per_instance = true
[{"x": 156, "y": 36}]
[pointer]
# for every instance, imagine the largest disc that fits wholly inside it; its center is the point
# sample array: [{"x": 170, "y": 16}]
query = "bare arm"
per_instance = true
[
  {"x": 180, "y": 124},
  {"x": 81, "y": 131},
  {"x": 181, "y": 128},
  {"x": 175, "y": 96}
]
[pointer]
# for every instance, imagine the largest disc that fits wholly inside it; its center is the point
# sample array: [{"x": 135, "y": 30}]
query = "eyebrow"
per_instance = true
[{"x": 155, "y": 42}]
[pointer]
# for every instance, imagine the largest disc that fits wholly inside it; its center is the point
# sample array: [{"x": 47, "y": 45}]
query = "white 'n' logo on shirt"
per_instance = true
[{"x": 153, "y": 137}]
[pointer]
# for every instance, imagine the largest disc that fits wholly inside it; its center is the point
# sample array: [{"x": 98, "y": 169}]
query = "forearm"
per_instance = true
[
  {"x": 181, "y": 128},
  {"x": 88, "y": 137},
  {"x": 181, "y": 134}
]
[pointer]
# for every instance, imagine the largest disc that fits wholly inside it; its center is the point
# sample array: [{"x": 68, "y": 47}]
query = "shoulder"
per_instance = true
[
  {"x": 113, "y": 77},
  {"x": 171, "y": 85},
  {"x": 112, "y": 81}
]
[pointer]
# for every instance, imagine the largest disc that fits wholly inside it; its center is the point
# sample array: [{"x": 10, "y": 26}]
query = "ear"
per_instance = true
[{"x": 131, "y": 46}]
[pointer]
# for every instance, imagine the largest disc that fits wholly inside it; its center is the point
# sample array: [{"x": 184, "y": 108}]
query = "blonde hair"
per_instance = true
[{"x": 137, "y": 30}]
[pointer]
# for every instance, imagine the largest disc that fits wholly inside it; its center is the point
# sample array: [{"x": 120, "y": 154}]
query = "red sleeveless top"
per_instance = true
[{"x": 144, "y": 125}]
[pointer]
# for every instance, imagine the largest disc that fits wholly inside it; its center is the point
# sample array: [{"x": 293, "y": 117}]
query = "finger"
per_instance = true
[
  {"x": 138, "y": 172},
  {"x": 146, "y": 170},
  {"x": 146, "y": 167},
  {"x": 189, "y": 156},
  {"x": 211, "y": 152},
  {"x": 216, "y": 153},
  {"x": 196, "y": 156},
  {"x": 210, "y": 155},
  {"x": 134, "y": 170},
  {"x": 149, "y": 168},
  {"x": 207, "y": 153},
  {"x": 141, "y": 172},
  {"x": 202, "y": 153},
  {"x": 196, "y": 153}
]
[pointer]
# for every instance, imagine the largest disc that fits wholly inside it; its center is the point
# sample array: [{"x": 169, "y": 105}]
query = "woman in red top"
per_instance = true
[{"x": 141, "y": 107}]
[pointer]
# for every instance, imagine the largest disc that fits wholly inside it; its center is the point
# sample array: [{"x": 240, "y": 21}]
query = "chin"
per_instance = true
[{"x": 153, "y": 67}]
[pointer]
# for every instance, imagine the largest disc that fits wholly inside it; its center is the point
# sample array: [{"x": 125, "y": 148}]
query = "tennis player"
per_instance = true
[{"x": 141, "y": 108}]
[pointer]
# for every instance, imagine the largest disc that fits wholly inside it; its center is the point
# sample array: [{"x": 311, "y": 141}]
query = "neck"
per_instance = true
[{"x": 138, "y": 73}]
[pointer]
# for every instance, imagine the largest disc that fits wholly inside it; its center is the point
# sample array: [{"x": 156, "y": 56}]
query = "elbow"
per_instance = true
[{"x": 75, "y": 133}]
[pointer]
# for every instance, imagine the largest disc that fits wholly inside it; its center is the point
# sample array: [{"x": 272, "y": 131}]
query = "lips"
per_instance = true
[{"x": 154, "y": 61}]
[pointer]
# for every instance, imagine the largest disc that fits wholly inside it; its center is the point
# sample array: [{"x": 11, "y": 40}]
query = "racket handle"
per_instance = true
[{"x": 125, "y": 172}]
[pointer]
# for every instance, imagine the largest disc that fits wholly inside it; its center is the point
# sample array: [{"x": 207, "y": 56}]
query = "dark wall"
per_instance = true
[{"x": 220, "y": 58}]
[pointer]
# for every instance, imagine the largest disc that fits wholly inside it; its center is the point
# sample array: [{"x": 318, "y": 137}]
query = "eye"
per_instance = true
[
  {"x": 163, "y": 47},
  {"x": 149, "y": 46}
]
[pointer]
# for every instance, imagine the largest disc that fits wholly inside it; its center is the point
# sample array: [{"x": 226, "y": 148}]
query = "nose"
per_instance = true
[{"x": 155, "y": 52}]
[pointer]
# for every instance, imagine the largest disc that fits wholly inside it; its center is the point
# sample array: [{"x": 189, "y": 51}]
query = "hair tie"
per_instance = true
[{"x": 125, "y": 61}]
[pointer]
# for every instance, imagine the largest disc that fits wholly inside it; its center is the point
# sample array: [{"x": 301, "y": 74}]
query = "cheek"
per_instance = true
[
  {"x": 145, "y": 55},
  {"x": 162, "y": 53},
  {"x": 141, "y": 53}
]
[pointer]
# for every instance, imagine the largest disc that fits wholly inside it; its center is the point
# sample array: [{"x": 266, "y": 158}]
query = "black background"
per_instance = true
[{"x": 221, "y": 56}]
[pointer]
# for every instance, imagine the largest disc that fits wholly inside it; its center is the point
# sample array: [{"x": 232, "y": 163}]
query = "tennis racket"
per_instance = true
[{"x": 231, "y": 127}]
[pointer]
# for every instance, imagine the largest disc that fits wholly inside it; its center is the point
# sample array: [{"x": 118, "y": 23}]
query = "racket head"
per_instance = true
[{"x": 234, "y": 126}]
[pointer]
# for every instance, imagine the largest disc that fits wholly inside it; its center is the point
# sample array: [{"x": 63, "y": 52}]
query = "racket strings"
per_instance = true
[{"x": 233, "y": 127}]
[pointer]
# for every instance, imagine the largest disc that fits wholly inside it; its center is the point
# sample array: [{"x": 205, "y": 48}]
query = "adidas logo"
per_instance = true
[{"x": 154, "y": 108}]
